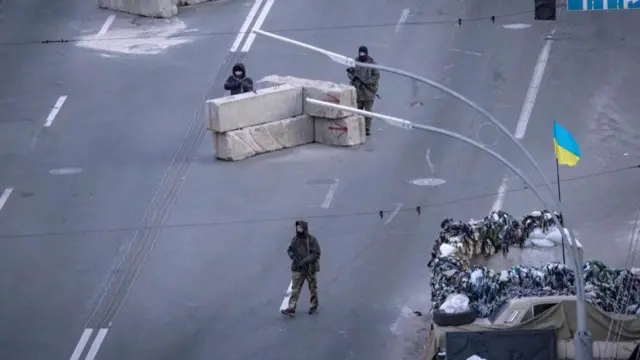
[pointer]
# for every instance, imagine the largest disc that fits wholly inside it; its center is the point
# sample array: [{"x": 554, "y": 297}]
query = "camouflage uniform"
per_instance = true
[
  {"x": 304, "y": 252},
  {"x": 370, "y": 77}
]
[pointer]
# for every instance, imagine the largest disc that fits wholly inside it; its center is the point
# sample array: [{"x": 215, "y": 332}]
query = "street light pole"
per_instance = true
[
  {"x": 582, "y": 340},
  {"x": 349, "y": 62}
]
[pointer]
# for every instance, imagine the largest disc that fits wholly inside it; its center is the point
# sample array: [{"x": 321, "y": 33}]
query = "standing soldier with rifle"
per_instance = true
[
  {"x": 304, "y": 252},
  {"x": 365, "y": 80}
]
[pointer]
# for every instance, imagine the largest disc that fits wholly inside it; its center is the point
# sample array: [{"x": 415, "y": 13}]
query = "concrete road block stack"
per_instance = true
[
  {"x": 149, "y": 8},
  {"x": 277, "y": 117},
  {"x": 253, "y": 123},
  {"x": 334, "y": 127}
]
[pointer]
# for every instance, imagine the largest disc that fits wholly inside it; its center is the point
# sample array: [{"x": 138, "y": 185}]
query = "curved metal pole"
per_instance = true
[
  {"x": 341, "y": 59},
  {"x": 583, "y": 341},
  {"x": 408, "y": 125}
]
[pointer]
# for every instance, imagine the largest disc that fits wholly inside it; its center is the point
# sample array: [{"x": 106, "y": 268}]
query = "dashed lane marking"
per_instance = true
[
  {"x": 56, "y": 109},
  {"x": 330, "y": 193},
  {"x": 394, "y": 213},
  {"x": 5, "y": 196},
  {"x": 107, "y": 24}
]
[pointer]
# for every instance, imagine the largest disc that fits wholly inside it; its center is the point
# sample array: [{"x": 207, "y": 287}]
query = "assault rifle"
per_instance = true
[
  {"x": 298, "y": 259},
  {"x": 356, "y": 78}
]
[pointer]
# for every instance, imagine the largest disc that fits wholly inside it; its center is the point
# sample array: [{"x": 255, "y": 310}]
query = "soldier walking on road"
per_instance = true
[
  {"x": 365, "y": 80},
  {"x": 304, "y": 252},
  {"x": 238, "y": 82}
]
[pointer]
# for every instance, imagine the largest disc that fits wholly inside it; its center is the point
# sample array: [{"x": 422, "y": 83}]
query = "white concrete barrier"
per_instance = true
[
  {"x": 150, "y": 8},
  {"x": 250, "y": 109},
  {"x": 349, "y": 131},
  {"x": 243, "y": 143},
  {"x": 321, "y": 90},
  {"x": 336, "y": 93}
]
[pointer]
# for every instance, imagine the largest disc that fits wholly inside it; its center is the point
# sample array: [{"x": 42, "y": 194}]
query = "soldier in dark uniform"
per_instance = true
[
  {"x": 238, "y": 82},
  {"x": 365, "y": 80},
  {"x": 304, "y": 252}
]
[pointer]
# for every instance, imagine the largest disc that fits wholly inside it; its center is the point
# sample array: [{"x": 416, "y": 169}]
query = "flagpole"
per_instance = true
[{"x": 564, "y": 261}]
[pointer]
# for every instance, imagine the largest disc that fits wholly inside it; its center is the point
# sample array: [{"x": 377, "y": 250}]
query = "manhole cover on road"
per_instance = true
[
  {"x": 65, "y": 171},
  {"x": 428, "y": 182},
  {"x": 321, "y": 182},
  {"x": 487, "y": 134}
]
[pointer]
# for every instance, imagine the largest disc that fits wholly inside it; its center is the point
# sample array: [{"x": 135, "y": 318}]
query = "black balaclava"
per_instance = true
[
  {"x": 301, "y": 228},
  {"x": 363, "y": 53},
  {"x": 239, "y": 68}
]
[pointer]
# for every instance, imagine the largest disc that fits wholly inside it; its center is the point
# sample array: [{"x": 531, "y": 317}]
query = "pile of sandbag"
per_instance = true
[{"x": 613, "y": 290}]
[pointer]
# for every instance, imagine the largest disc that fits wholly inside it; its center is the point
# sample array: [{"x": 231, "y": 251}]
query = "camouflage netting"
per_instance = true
[{"x": 613, "y": 290}]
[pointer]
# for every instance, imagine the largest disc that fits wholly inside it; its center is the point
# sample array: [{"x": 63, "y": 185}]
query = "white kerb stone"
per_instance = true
[
  {"x": 348, "y": 131},
  {"x": 243, "y": 143},
  {"x": 250, "y": 109}
]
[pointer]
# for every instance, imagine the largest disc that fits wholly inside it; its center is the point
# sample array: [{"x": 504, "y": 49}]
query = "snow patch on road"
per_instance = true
[{"x": 152, "y": 38}]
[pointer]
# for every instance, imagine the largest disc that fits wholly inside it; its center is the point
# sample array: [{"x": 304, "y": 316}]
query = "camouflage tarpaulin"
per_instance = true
[{"x": 458, "y": 242}]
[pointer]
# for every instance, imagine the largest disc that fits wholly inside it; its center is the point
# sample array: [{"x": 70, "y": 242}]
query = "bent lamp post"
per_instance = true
[
  {"x": 583, "y": 343},
  {"x": 346, "y": 61}
]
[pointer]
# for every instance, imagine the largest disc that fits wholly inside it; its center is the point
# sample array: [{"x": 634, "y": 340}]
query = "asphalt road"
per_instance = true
[{"x": 208, "y": 274}]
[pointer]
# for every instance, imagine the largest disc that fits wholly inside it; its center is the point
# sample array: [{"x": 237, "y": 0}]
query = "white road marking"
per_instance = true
[
  {"x": 95, "y": 345},
  {"x": 332, "y": 190},
  {"x": 466, "y": 52},
  {"x": 86, "y": 334},
  {"x": 525, "y": 113},
  {"x": 55, "y": 110},
  {"x": 534, "y": 87},
  {"x": 5, "y": 196},
  {"x": 394, "y": 214},
  {"x": 258, "y": 24},
  {"x": 516, "y": 26},
  {"x": 107, "y": 24},
  {"x": 245, "y": 25},
  {"x": 502, "y": 191},
  {"x": 403, "y": 19},
  {"x": 65, "y": 171},
  {"x": 428, "y": 182},
  {"x": 93, "y": 351},
  {"x": 428, "y": 157},
  {"x": 285, "y": 302}
]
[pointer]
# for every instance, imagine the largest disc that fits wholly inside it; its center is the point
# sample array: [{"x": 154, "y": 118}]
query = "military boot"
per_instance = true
[
  {"x": 367, "y": 126},
  {"x": 288, "y": 312}
]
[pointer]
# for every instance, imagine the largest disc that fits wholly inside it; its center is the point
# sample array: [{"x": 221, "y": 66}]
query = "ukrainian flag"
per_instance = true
[{"x": 567, "y": 150}]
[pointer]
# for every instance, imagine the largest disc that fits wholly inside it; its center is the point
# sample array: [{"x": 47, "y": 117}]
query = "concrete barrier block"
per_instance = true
[
  {"x": 250, "y": 109},
  {"x": 243, "y": 143},
  {"x": 149, "y": 8},
  {"x": 320, "y": 90},
  {"x": 330, "y": 92},
  {"x": 348, "y": 131}
]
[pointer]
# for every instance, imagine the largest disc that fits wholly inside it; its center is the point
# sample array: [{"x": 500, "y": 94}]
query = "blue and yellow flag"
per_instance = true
[{"x": 567, "y": 150}]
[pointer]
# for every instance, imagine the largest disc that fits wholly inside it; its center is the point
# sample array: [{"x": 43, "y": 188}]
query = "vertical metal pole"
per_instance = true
[{"x": 564, "y": 261}]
